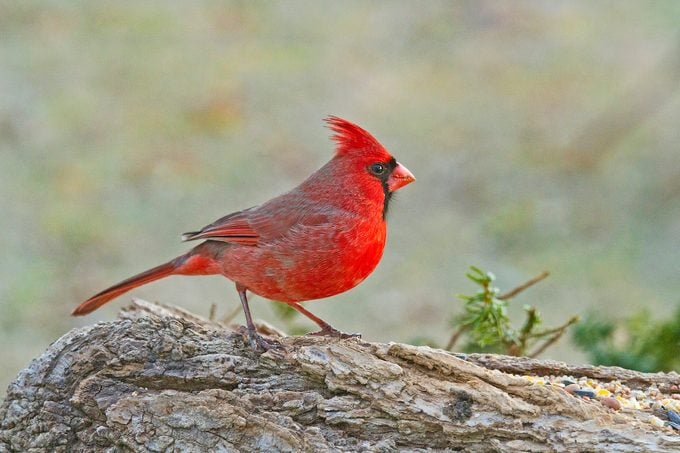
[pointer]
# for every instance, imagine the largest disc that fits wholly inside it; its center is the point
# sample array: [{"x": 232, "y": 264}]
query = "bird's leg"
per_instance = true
[
  {"x": 326, "y": 329},
  {"x": 256, "y": 340}
]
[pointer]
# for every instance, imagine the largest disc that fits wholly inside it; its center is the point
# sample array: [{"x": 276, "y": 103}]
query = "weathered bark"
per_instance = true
[{"x": 161, "y": 379}]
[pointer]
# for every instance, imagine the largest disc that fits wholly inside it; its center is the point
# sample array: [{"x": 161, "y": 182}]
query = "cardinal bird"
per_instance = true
[{"x": 320, "y": 239}]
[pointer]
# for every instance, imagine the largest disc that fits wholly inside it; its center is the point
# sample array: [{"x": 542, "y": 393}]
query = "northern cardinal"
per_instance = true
[{"x": 320, "y": 239}]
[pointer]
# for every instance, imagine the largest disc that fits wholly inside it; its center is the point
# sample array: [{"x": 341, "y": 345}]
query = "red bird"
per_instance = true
[{"x": 320, "y": 239}]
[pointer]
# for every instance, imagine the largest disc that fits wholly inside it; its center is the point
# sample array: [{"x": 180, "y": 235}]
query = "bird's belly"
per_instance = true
[{"x": 308, "y": 271}]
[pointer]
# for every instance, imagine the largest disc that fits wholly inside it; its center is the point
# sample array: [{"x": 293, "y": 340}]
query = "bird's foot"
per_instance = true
[
  {"x": 257, "y": 341},
  {"x": 331, "y": 332}
]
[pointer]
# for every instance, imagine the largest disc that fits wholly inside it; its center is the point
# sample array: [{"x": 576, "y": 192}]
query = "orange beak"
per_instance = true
[{"x": 399, "y": 178}]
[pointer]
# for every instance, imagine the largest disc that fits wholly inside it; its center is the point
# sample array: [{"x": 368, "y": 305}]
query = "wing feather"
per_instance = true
[
  {"x": 260, "y": 224},
  {"x": 234, "y": 228}
]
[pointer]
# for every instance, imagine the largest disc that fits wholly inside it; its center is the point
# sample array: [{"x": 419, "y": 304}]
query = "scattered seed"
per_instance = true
[
  {"x": 571, "y": 388},
  {"x": 660, "y": 407},
  {"x": 603, "y": 393},
  {"x": 585, "y": 393},
  {"x": 638, "y": 394},
  {"x": 656, "y": 421},
  {"x": 673, "y": 417},
  {"x": 611, "y": 403}
]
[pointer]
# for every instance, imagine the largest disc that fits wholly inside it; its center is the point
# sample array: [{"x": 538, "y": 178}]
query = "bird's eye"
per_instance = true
[{"x": 377, "y": 169}]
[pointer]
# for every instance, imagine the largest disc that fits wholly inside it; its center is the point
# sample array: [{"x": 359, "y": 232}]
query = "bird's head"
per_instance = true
[{"x": 368, "y": 156}]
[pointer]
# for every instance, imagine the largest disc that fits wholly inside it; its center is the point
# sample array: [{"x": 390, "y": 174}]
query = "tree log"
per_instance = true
[{"x": 162, "y": 379}]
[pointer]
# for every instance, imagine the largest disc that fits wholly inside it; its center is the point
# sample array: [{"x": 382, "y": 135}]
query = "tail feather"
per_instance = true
[{"x": 158, "y": 272}]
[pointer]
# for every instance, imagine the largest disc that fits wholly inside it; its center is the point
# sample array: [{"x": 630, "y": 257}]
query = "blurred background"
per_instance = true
[{"x": 544, "y": 136}]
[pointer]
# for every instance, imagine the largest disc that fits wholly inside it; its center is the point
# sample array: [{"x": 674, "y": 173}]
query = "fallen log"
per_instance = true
[{"x": 162, "y": 379}]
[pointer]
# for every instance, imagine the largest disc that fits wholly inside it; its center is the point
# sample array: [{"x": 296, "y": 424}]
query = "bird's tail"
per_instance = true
[{"x": 189, "y": 264}]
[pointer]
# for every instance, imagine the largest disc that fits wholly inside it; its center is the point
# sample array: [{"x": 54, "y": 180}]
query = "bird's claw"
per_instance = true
[
  {"x": 257, "y": 341},
  {"x": 331, "y": 332}
]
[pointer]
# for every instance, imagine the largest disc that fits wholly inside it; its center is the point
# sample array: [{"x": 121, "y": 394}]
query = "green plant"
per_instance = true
[
  {"x": 638, "y": 342},
  {"x": 488, "y": 328}
]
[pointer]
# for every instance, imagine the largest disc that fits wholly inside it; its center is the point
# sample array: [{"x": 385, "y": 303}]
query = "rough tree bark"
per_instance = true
[{"x": 161, "y": 379}]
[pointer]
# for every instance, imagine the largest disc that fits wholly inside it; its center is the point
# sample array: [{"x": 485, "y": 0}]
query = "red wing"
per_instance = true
[
  {"x": 280, "y": 217},
  {"x": 234, "y": 228}
]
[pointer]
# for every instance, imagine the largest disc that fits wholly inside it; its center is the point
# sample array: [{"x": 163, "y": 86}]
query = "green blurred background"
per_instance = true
[{"x": 544, "y": 135}]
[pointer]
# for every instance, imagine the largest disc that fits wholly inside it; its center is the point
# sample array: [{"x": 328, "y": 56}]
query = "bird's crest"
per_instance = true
[{"x": 350, "y": 137}]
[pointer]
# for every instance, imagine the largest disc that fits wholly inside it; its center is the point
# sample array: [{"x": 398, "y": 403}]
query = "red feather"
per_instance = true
[
  {"x": 351, "y": 137},
  {"x": 233, "y": 228}
]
